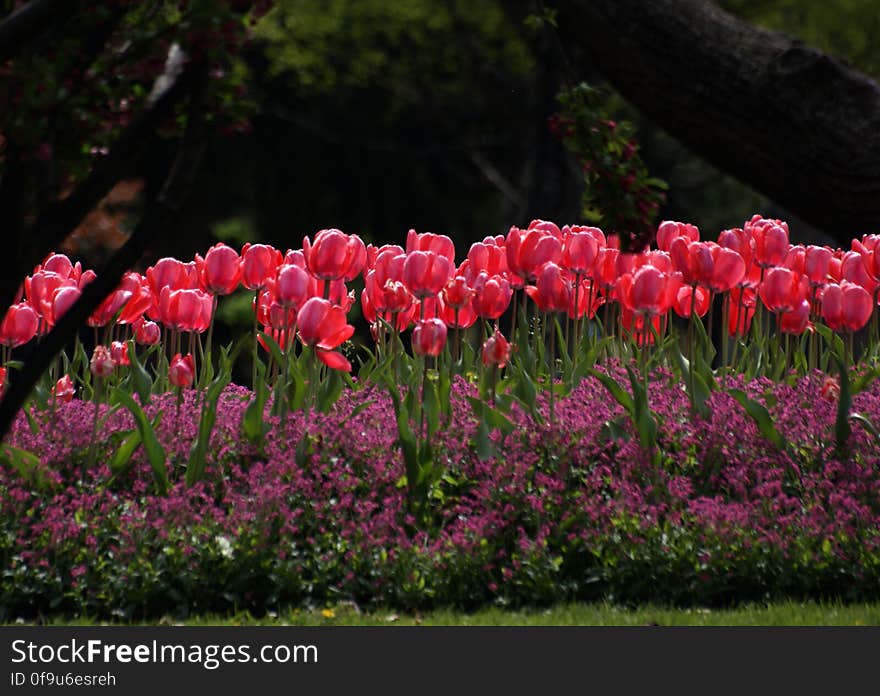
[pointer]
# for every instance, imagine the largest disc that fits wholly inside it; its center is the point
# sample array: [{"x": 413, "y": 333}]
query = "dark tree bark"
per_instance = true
[
  {"x": 19, "y": 28},
  {"x": 156, "y": 221},
  {"x": 795, "y": 124}
]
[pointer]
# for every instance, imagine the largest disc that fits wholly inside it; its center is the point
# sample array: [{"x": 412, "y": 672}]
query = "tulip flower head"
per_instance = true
[
  {"x": 496, "y": 350},
  {"x": 182, "y": 371},
  {"x": 102, "y": 364},
  {"x": 19, "y": 325},
  {"x": 429, "y": 337},
  {"x": 220, "y": 270},
  {"x": 64, "y": 389},
  {"x": 323, "y": 326}
]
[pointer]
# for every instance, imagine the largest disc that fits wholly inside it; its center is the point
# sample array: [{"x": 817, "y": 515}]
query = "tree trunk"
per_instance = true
[{"x": 793, "y": 123}]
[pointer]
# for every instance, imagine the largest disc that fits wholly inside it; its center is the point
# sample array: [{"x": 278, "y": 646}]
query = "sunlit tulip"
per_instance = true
[
  {"x": 691, "y": 296},
  {"x": 220, "y": 270},
  {"x": 771, "y": 243},
  {"x": 496, "y": 350},
  {"x": 669, "y": 230},
  {"x": 817, "y": 261},
  {"x": 552, "y": 290},
  {"x": 185, "y": 310},
  {"x": 323, "y": 326},
  {"x": 293, "y": 286},
  {"x": 102, "y": 363},
  {"x": 742, "y": 308},
  {"x": 147, "y": 333},
  {"x": 846, "y": 307},
  {"x": 19, "y": 325},
  {"x": 457, "y": 293},
  {"x": 429, "y": 337},
  {"x": 779, "y": 291},
  {"x": 107, "y": 310},
  {"x": 492, "y": 295},
  {"x": 335, "y": 255},
  {"x": 259, "y": 262},
  {"x": 797, "y": 320},
  {"x": 63, "y": 299},
  {"x": 579, "y": 252},
  {"x": 439, "y": 244},
  {"x": 425, "y": 273},
  {"x": 63, "y": 390},
  {"x": 181, "y": 371}
]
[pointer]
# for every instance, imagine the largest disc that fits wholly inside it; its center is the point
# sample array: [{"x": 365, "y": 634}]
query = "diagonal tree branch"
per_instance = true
[
  {"x": 19, "y": 28},
  {"x": 51, "y": 227},
  {"x": 156, "y": 221}
]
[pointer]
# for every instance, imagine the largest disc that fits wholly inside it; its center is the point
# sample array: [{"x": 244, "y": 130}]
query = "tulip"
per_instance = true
[
  {"x": 141, "y": 299},
  {"x": 489, "y": 256},
  {"x": 648, "y": 291},
  {"x": 552, "y": 291},
  {"x": 425, "y": 273},
  {"x": 579, "y": 253},
  {"x": 669, "y": 230},
  {"x": 119, "y": 353},
  {"x": 797, "y": 320},
  {"x": 830, "y": 390},
  {"x": 457, "y": 293},
  {"x": 259, "y": 262},
  {"x": 185, "y": 310},
  {"x": 3, "y": 376},
  {"x": 147, "y": 333},
  {"x": 686, "y": 297},
  {"x": 492, "y": 296},
  {"x": 293, "y": 286},
  {"x": 456, "y": 317},
  {"x": 846, "y": 307},
  {"x": 742, "y": 309},
  {"x": 439, "y": 244},
  {"x": 322, "y": 325},
  {"x": 64, "y": 389},
  {"x": 817, "y": 261},
  {"x": 771, "y": 244},
  {"x": 335, "y": 255},
  {"x": 19, "y": 325},
  {"x": 728, "y": 270},
  {"x": 62, "y": 300},
  {"x": 429, "y": 337},
  {"x": 496, "y": 350},
  {"x": 167, "y": 273},
  {"x": 220, "y": 270},
  {"x": 181, "y": 371},
  {"x": 108, "y": 309},
  {"x": 102, "y": 363},
  {"x": 779, "y": 291}
]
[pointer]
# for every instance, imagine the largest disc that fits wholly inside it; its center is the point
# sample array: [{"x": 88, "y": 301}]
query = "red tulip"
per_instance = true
[
  {"x": 169, "y": 273},
  {"x": 182, "y": 371},
  {"x": 107, "y": 310},
  {"x": 40, "y": 290},
  {"x": 293, "y": 286},
  {"x": 141, "y": 299},
  {"x": 648, "y": 290},
  {"x": 64, "y": 389},
  {"x": 817, "y": 262},
  {"x": 780, "y": 290},
  {"x": 220, "y": 271},
  {"x": 102, "y": 363},
  {"x": 852, "y": 268},
  {"x": 797, "y": 320},
  {"x": 259, "y": 262},
  {"x": 488, "y": 256},
  {"x": 3, "y": 375},
  {"x": 846, "y": 307},
  {"x": 146, "y": 333},
  {"x": 693, "y": 260},
  {"x": 492, "y": 295},
  {"x": 586, "y": 305},
  {"x": 496, "y": 350},
  {"x": 323, "y": 326},
  {"x": 579, "y": 252},
  {"x": 185, "y": 310},
  {"x": 457, "y": 293},
  {"x": 670, "y": 230},
  {"x": 728, "y": 270},
  {"x": 335, "y": 255},
  {"x": 688, "y": 296},
  {"x": 119, "y": 353},
  {"x": 552, "y": 290},
  {"x": 456, "y": 317},
  {"x": 19, "y": 325},
  {"x": 62, "y": 301},
  {"x": 60, "y": 264},
  {"x": 771, "y": 242},
  {"x": 426, "y": 272},
  {"x": 830, "y": 390},
  {"x": 438, "y": 244},
  {"x": 429, "y": 337}
]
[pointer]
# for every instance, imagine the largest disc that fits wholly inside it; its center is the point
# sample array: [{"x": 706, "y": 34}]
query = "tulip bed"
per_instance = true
[{"x": 549, "y": 420}]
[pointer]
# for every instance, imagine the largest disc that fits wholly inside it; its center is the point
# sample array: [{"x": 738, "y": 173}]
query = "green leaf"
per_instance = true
[
  {"x": 27, "y": 465},
  {"x": 140, "y": 378},
  {"x": 431, "y": 405},
  {"x": 329, "y": 391},
  {"x": 618, "y": 392},
  {"x": 253, "y": 422},
  {"x": 155, "y": 452},
  {"x": 866, "y": 423},
  {"x": 761, "y": 416},
  {"x": 492, "y": 417},
  {"x": 274, "y": 349},
  {"x": 122, "y": 456},
  {"x": 485, "y": 449},
  {"x": 195, "y": 467}
]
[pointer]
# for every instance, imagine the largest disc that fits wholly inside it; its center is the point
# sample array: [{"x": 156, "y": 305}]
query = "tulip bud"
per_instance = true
[
  {"x": 181, "y": 371},
  {"x": 147, "y": 333},
  {"x": 102, "y": 363},
  {"x": 64, "y": 389},
  {"x": 429, "y": 337},
  {"x": 119, "y": 353},
  {"x": 496, "y": 350}
]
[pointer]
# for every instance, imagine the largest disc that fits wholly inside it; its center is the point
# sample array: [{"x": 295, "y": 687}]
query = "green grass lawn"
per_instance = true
[{"x": 780, "y": 614}]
